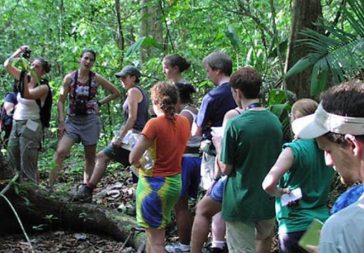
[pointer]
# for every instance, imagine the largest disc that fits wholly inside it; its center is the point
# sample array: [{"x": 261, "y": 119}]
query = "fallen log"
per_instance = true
[{"x": 53, "y": 211}]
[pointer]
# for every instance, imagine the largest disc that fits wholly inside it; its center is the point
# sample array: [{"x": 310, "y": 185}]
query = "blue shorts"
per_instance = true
[
  {"x": 191, "y": 176},
  {"x": 217, "y": 190}
]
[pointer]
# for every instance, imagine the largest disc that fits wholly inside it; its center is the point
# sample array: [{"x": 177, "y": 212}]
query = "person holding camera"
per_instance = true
[
  {"x": 83, "y": 122},
  {"x": 26, "y": 135}
]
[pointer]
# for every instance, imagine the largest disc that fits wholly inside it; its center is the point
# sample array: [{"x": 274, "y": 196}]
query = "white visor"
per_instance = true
[{"x": 322, "y": 122}]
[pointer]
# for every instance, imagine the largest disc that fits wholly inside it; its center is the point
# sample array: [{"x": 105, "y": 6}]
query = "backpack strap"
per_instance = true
[{"x": 89, "y": 85}]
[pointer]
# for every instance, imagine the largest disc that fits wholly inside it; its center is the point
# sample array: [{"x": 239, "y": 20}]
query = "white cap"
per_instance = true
[{"x": 322, "y": 122}]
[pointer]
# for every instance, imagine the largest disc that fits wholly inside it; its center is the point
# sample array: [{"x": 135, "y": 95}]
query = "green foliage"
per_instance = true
[
  {"x": 336, "y": 57},
  {"x": 59, "y": 30},
  {"x": 280, "y": 103}
]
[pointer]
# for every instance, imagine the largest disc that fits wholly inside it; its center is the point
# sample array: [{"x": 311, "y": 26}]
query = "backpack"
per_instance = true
[{"x": 46, "y": 110}]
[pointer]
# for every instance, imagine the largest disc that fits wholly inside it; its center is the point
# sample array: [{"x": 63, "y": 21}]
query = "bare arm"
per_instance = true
[
  {"x": 134, "y": 96},
  {"x": 65, "y": 89},
  {"x": 37, "y": 92},
  {"x": 220, "y": 166},
  {"x": 114, "y": 92},
  {"x": 15, "y": 72},
  {"x": 138, "y": 150},
  {"x": 283, "y": 164},
  {"x": 9, "y": 107}
]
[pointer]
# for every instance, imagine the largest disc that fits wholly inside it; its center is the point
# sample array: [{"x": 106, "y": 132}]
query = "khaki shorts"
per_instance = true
[{"x": 241, "y": 236}]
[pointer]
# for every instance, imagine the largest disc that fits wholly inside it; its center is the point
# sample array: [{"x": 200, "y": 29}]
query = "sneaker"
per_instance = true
[
  {"x": 219, "y": 250},
  {"x": 177, "y": 248},
  {"x": 83, "y": 194}
]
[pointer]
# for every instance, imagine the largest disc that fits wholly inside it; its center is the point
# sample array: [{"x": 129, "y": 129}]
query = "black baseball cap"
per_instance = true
[{"x": 128, "y": 70}]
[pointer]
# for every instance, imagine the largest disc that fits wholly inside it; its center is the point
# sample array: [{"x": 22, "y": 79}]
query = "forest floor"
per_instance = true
[{"x": 115, "y": 191}]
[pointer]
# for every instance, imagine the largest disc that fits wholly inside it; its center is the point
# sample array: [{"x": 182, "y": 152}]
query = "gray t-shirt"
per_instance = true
[{"x": 344, "y": 231}]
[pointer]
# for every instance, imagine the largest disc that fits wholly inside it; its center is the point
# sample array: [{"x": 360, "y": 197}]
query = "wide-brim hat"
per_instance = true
[
  {"x": 322, "y": 122},
  {"x": 128, "y": 70}
]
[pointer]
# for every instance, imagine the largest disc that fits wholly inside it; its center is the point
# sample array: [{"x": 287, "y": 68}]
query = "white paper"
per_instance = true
[
  {"x": 32, "y": 125},
  {"x": 219, "y": 131},
  {"x": 294, "y": 195}
]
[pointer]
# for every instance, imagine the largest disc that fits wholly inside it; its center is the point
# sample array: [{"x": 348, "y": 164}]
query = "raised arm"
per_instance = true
[
  {"x": 114, "y": 92},
  {"x": 37, "y": 92},
  {"x": 283, "y": 164},
  {"x": 15, "y": 72}
]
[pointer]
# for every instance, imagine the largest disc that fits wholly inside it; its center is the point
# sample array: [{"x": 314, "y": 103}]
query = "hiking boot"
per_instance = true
[
  {"x": 83, "y": 194},
  {"x": 177, "y": 248}
]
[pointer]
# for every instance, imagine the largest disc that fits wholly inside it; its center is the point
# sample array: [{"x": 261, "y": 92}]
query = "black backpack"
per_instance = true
[{"x": 46, "y": 110}]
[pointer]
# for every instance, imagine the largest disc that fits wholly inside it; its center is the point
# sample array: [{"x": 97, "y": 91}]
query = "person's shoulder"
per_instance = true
[{"x": 70, "y": 75}]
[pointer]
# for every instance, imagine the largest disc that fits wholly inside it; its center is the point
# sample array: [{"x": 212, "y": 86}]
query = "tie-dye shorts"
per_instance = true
[{"x": 155, "y": 199}]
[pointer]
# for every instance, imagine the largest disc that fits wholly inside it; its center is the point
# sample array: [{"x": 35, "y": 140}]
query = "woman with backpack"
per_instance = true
[
  {"x": 26, "y": 135},
  {"x": 83, "y": 122}
]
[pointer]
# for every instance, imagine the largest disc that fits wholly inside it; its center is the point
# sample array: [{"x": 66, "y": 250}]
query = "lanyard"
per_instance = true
[{"x": 253, "y": 105}]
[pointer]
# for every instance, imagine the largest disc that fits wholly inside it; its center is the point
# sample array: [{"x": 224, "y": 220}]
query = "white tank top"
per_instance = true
[
  {"x": 194, "y": 141},
  {"x": 26, "y": 109}
]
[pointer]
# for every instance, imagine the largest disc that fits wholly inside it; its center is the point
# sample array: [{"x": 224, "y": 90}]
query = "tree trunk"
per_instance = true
[
  {"x": 304, "y": 14},
  {"x": 37, "y": 207},
  {"x": 151, "y": 26}
]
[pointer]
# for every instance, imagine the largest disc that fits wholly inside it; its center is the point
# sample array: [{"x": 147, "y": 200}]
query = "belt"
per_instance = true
[{"x": 192, "y": 150}]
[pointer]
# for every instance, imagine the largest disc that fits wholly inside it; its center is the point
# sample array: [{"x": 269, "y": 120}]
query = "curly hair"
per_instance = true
[
  {"x": 177, "y": 60},
  {"x": 166, "y": 96},
  {"x": 346, "y": 99},
  {"x": 248, "y": 81}
]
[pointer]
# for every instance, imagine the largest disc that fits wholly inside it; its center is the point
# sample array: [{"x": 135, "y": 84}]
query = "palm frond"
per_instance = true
[{"x": 337, "y": 57}]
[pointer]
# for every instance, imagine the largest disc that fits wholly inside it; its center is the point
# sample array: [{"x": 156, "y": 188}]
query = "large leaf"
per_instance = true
[
  {"x": 301, "y": 65},
  {"x": 142, "y": 42},
  {"x": 233, "y": 37}
]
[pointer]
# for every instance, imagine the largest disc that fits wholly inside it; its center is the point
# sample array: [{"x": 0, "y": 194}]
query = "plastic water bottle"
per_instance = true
[{"x": 147, "y": 161}]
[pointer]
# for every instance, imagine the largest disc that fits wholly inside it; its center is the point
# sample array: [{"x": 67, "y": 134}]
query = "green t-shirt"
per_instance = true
[
  {"x": 310, "y": 173},
  {"x": 251, "y": 144}
]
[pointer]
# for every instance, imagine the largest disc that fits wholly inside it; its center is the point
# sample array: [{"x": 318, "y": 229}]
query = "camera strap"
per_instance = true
[{"x": 76, "y": 83}]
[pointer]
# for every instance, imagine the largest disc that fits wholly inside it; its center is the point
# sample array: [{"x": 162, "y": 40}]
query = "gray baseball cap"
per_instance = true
[{"x": 128, "y": 70}]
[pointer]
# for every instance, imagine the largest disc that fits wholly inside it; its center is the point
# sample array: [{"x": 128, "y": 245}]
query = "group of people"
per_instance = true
[{"x": 231, "y": 147}]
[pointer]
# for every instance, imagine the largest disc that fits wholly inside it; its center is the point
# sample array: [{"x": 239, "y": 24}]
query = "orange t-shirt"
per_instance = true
[{"x": 169, "y": 142}]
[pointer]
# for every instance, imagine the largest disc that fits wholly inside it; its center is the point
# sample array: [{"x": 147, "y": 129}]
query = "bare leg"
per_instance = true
[
  {"x": 183, "y": 220},
  {"x": 90, "y": 153},
  {"x": 63, "y": 149},
  {"x": 206, "y": 209},
  {"x": 102, "y": 160},
  {"x": 263, "y": 246},
  {"x": 155, "y": 240},
  {"x": 218, "y": 229}
]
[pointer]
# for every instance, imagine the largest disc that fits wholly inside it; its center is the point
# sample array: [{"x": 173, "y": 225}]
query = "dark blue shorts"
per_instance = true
[
  {"x": 191, "y": 167},
  {"x": 217, "y": 190}
]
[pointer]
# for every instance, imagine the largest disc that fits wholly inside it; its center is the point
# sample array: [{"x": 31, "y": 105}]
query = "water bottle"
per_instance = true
[{"x": 147, "y": 161}]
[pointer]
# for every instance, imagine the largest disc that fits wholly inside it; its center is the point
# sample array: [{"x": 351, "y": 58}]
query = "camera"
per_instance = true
[{"x": 26, "y": 54}]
